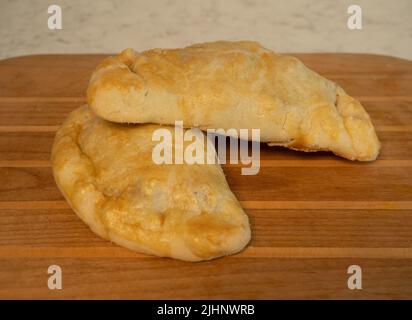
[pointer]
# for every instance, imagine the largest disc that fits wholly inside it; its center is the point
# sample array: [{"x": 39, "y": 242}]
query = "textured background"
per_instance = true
[{"x": 107, "y": 26}]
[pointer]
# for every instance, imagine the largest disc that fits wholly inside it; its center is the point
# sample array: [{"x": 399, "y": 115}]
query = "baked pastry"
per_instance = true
[
  {"x": 107, "y": 174},
  {"x": 234, "y": 85}
]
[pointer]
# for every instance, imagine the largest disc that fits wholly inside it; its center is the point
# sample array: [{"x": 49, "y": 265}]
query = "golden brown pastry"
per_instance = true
[
  {"x": 107, "y": 174},
  {"x": 234, "y": 85}
]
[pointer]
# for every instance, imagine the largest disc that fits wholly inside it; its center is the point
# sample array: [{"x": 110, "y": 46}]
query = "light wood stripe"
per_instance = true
[
  {"x": 326, "y": 252},
  {"x": 368, "y": 76},
  {"x": 24, "y": 163},
  {"x": 394, "y": 128},
  {"x": 59, "y": 204},
  {"x": 23, "y": 128},
  {"x": 263, "y": 163},
  {"x": 328, "y": 163},
  {"x": 338, "y": 205},
  {"x": 293, "y": 205},
  {"x": 249, "y": 252},
  {"x": 384, "y": 98},
  {"x": 43, "y": 128},
  {"x": 42, "y": 99}
]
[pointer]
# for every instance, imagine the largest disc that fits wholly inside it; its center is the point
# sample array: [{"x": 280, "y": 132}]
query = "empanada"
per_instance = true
[
  {"x": 107, "y": 174},
  {"x": 234, "y": 85}
]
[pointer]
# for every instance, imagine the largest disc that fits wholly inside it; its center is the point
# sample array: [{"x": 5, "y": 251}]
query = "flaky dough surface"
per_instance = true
[
  {"x": 234, "y": 85},
  {"x": 106, "y": 172}
]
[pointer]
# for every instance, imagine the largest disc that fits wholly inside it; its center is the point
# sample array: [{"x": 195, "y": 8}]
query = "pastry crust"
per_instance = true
[
  {"x": 106, "y": 173},
  {"x": 234, "y": 85}
]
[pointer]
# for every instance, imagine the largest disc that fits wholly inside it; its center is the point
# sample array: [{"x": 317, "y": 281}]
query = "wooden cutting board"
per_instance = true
[{"x": 312, "y": 215}]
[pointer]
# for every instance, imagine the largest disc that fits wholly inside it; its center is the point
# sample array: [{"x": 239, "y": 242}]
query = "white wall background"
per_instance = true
[{"x": 108, "y": 26}]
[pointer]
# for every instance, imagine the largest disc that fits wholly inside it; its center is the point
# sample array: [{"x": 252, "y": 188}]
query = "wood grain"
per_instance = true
[
  {"x": 312, "y": 215},
  {"x": 246, "y": 278},
  {"x": 348, "y": 228}
]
